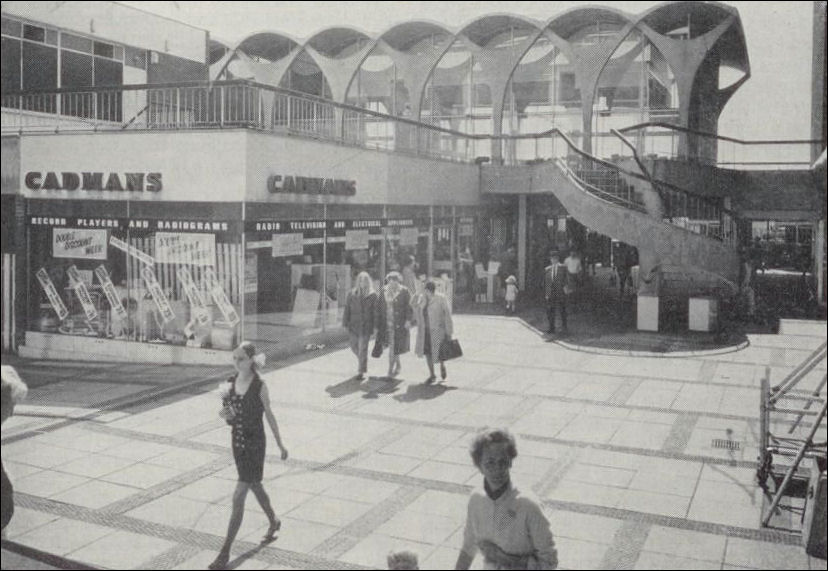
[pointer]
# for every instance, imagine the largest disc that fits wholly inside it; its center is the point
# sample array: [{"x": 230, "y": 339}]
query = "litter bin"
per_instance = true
[{"x": 703, "y": 314}]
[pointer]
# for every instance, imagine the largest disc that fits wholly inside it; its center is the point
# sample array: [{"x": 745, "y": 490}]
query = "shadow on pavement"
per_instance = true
[
  {"x": 423, "y": 392},
  {"x": 372, "y": 387}
]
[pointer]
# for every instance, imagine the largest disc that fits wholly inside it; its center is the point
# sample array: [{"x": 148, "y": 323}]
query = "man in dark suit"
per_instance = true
[{"x": 554, "y": 283}]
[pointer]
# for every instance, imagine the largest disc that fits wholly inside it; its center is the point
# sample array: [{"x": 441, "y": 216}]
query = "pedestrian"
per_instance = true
[
  {"x": 574, "y": 268},
  {"x": 511, "y": 293},
  {"x": 403, "y": 560},
  {"x": 409, "y": 275},
  {"x": 245, "y": 401},
  {"x": 434, "y": 325},
  {"x": 394, "y": 321},
  {"x": 505, "y": 523},
  {"x": 13, "y": 391},
  {"x": 554, "y": 286},
  {"x": 360, "y": 318}
]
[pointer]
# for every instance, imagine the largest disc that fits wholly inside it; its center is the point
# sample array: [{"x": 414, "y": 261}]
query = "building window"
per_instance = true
[
  {"x": 34, "y": 33},
  {"x": 104, "y": 50}
]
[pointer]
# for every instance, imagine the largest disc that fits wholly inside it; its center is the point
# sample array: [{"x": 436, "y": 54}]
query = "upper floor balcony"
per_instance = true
[{"x": 250, "y": 105}]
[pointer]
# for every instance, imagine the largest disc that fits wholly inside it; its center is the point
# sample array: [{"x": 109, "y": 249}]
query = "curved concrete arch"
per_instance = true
[
  {"x": 423, "y": 25},
  {"x": 574, "y": 17},
  {"x": 480, "y": 20},
  {"x": 335, "y": 34}
]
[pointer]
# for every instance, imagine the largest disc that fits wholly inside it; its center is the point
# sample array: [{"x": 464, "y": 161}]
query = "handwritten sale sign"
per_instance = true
[
  {"x": 287, "y": 244},
  {"x": 220, "y": 297},
  {"x": 185, "y": 248},
  {"x": 79, "y": 243},
  {"x": 193, "y": 295},
  {"x": 157, "y": 294},
  {"x": 82, "y": 292},
  {"x": 52, "y": 294},
  {"x": 131, "y": 250},
  {"x": 109, "y": 291}
]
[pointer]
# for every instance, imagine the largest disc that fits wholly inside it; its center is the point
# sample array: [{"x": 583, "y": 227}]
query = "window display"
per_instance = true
[{"x": 126, "y": 281}]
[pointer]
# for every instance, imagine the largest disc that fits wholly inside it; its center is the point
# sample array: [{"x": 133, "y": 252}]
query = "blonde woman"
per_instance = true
[
  {"x": 361, "y": 318},
  {"x": 246, "y": 400}
]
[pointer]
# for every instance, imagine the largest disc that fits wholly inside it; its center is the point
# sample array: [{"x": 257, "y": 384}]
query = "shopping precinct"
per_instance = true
[{"x": 166, "y": 195}]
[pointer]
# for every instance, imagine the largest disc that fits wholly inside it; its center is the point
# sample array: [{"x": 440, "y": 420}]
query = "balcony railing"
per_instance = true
[
  {"x": 659, "y": 139},
  {"x": 245, "y": 104}
]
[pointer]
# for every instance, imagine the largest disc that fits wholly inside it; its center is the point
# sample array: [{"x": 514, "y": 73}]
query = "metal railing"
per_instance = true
[
  {"x": 660, "y": 139},
  {"x": 246, "y": 104}
]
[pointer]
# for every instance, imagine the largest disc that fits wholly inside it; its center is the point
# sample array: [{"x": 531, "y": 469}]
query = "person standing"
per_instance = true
[
  {"x": 395, "y": 319},
  {"x": 554, "y": 286},
  {"x": 511, "y": 294},
  {"x": 245, "y": 401},
  {"x": 434, "y": 325},
  {"x": 13, "y": 391},
  {"x": 503, "y": 522},
  {"x": 573, "y": 279},
  {"x": 409, "y": 275},
  {"x": 361, "y": 319}
]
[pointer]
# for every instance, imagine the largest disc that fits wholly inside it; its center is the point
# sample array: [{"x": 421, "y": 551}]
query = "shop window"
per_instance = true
[{"x": 188, "y": 294}]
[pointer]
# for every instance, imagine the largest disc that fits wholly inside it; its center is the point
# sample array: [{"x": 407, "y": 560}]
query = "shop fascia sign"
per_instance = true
[
  {"x": 288, "y": 226},
  {"x": 292, "y": 184},
  {"x": 95, "y": 181},
  {"x": 132, "y": 224}
]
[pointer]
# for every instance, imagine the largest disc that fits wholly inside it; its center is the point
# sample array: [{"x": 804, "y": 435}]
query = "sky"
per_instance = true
[{"x": 775, "y": 103}]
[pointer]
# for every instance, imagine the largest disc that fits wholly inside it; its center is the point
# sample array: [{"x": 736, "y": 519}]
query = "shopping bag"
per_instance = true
[
  {"x": 376, "y": 353},
  {"x": 450, "y": 349}
]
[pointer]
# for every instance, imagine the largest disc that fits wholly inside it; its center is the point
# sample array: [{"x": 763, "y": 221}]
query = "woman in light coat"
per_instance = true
[{"x": 434, "y": 325}]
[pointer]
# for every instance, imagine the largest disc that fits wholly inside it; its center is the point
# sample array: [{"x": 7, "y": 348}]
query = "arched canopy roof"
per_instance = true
[
  {"x": 702, "y": 17},
  {"x": 271, "y": 46},
  {"x": 482, "y": 30},
  {"x": 574, "y": 20},
  {"x": 402, "y": 37},
  {"x": 217, "y": 49},
  {"x": 333, "y": 41}
]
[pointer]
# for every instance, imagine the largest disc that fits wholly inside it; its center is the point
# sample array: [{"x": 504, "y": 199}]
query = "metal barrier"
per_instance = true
[
  {"x": 776, "y": 407},
  {"x": 659, "y": 139}
]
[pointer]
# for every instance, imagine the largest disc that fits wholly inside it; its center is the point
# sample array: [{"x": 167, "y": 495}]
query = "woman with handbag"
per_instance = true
[
  {"x": 361, "y": 318},
  {"x": 245, "y": 401},
  {"x": 395, "y": 317},
  {"x": 434, "y": 326}
]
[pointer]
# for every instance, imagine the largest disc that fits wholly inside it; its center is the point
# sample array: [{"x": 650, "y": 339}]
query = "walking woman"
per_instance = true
[
  {"x": 360, "y": 318},
  {"x": 395, "y": 318},
  {"x": 434, "y": 325},
  {"x": 246, "y": 400}
]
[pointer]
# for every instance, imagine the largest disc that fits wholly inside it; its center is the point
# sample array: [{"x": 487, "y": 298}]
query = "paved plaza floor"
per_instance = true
[{"x": 618, "y": 448}]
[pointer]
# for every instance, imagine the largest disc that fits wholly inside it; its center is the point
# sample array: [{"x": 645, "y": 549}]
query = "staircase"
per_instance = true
[{"x": 600, "y": 198}]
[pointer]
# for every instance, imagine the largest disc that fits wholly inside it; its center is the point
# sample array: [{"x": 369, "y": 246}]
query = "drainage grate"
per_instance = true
[{"x": 726, "y": 444}]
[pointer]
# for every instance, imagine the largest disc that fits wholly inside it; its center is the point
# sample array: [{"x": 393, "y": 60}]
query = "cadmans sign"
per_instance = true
[
  {"x": 277, "y": 184},
  {"x": 95, "y": 181}
]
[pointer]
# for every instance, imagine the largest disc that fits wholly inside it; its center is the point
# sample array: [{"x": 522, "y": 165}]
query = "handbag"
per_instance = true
[
  {"x": 450, "y": 349},
  {"x": 376, "y": 353}
]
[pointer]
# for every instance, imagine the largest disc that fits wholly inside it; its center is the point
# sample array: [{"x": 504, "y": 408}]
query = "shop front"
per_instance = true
[
  {"x": 118, "y": 281},
  {"x": 134, "y": 254}
]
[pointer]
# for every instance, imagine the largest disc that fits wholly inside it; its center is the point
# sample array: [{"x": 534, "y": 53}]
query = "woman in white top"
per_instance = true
[{"x": 506, "y": 524}]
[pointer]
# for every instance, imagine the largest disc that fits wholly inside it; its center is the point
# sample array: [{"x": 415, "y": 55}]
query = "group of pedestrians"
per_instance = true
[{"x": 390, "y": 314}]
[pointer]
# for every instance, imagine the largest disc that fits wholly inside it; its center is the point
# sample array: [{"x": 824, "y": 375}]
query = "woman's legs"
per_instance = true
[
  {"x": 236, "y": 516},
  {"x": 264, "y": 501},
  {"x": 430, "y": 363}
]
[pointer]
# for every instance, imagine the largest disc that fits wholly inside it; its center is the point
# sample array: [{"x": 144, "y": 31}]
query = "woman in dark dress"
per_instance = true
[
  {"x": 395, "y": 319},
  {"x": 246, "y": 400}
]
